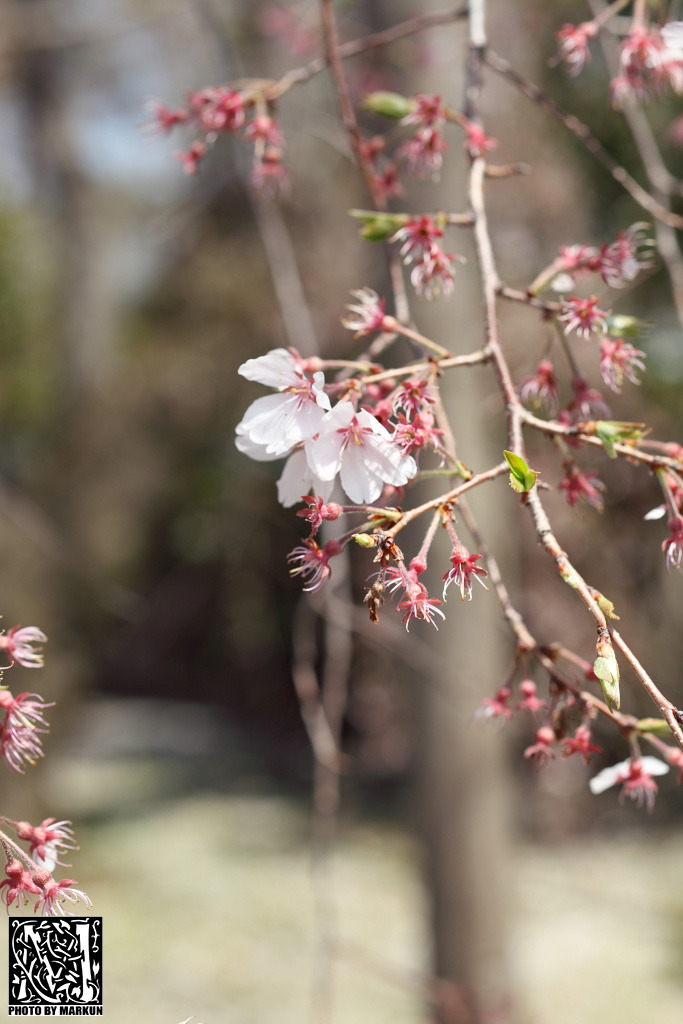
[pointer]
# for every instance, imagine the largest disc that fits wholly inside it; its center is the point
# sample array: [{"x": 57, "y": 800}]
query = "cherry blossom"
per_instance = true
[
  {"x": 367, "y": 312},
  {"x": 18, "y": 882},
  {"x": 416, "y": 603},
  {"x": 463, "y": 570},
  {"x": 428, "y": 112},
  {"x": 587, "y": 402},
  {"x": 47, "y": 840},
  {"x": 673, "y": 545},
  {"x": 618, "y": 359},
  {"x": 573, "y": 45},
  {"x": 21, "y": 728},
  {"x": 357, "y": 446},
  {"x": 583, "y": 316},
  {"x": 580, "y": 743},
  {"x": 622, "y": 260},
  {"x": 434, "y": 275},
  {"x": 269, "y": 176},
  {"x": 578, "y": 486},
  {"x": 496, "y": 707},
  {"x": 312, "y": 562},
  {"x": 318, "y": 512},
  {"x": 53, "y": 894},
  {"x": 542, "y": 389},
  {"x": 192, "y": 158},
  {"x": 419, "y": 432},
  {"x": 413, "y": 395},
  {"x": 18, "y": 645},
  {"x": 636, "y": 777},
  {"x": 418, "y": 238},
  {"x": 423, "y": 153},
  {"x": 292, "y": 415},
  {"x": 477, "y": 142},
  {"x": 531, "y": 701},
  {"x": 542, "y": 750}
]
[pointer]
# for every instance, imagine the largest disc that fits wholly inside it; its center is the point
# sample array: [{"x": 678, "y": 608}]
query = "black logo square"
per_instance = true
[{"x": 55, "y": 964}]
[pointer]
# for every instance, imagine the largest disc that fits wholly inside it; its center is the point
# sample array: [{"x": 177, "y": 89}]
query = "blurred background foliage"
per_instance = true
[{"x": 153, "y": 554}]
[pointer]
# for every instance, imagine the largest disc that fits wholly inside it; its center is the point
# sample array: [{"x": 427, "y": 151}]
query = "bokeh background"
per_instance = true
[{"x": 153, "y": 554}]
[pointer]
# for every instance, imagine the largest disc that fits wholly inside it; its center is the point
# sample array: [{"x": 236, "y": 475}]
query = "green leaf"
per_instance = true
[
  {"x": 388, "y": 104},
  {"x": 522, "y": 478},
  {"x": 364, "y": 541},
  {"x": 619, "y": 325},
  {"x": 612, "y": 431},
  {"x": 378, "y": 226},
  {"x": 607, "y": 670},
  {"x": 656, "y": 725},
  {"x": 378, "y": 230}
]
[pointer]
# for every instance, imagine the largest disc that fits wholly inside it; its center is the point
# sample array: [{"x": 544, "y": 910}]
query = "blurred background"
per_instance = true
[{"x": 454, "y": 882}]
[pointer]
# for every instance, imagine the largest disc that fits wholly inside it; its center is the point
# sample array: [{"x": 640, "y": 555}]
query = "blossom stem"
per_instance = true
[
  {"x": 391, "y": 324},
  {"x": 515, "y": 295},
  {"x": 468, "y": 485},
  {"x": 567, "y": 349},
  {"x": 472, "y": 359},
  {"x": 664, "y": 484},
  {"x": 10, "y": 847},
  {"x": 429, "y": 537},
  {"x": 601, "y": 19}
]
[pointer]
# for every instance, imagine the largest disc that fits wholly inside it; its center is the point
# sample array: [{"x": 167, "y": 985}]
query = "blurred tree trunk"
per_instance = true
[{"x": 462, "y": 781}]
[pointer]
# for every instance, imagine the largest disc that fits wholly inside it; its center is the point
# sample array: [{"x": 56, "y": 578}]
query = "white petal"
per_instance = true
[
  {"x": 618, "y": 772},
  {"x": 366, "y": 419},
  {"x": 298, "y": 479},
  {"x": 656, "y": 513},
  {"x": 324, "y": 453},
  {"x": 321, "y": 398},
  {"x": 653, "y": 766},
  {"x": 276, "y": 369},
  {"x": 259, "y": 452},
  {"x": 609, "y": 777},
  {"x": 562, "y": 283},
  {"x": 361, "y": 485},
  {"x": 281, "y": 421},
  {"x": 672, "y": 34}
]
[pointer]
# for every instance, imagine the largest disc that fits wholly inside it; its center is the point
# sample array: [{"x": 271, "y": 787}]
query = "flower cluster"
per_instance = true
[
  {"x": 432, "y": 270},
  {"x": 23, "y": 723},
  {"x": 223, "y": 110},
  {"x": 23, "y": 882},
  {"x": 320, "y": 441},
  {"x": 648, "y": 66},
  {"x": 650, "y": 59},
  {"x": 422, "y": 153}
]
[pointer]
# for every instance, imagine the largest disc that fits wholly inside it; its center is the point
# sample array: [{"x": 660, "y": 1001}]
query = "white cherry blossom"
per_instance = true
[
  {"x": 357, "y": 446},
  {"x": 281, "y": 421},
  {"x": 617, "y": 773}
]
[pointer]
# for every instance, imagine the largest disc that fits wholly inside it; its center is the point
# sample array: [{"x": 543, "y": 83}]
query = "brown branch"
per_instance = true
[{"x": 626, "y": 451}]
